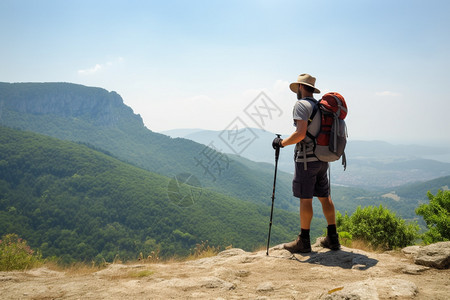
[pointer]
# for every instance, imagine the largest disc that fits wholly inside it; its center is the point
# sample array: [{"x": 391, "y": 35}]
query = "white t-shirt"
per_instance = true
[{"x": 303, "y": 109}]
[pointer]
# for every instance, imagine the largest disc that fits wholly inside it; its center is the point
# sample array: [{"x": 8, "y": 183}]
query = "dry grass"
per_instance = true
[
  {"x": 153, "y": 257},
  {"x": 260, "y": 248},
  {"x": 75, "y": 269},
  {"x": 203, "y": 250},
  {"x": 365, "y": 246},
  {"x": 81, "y": 269}
]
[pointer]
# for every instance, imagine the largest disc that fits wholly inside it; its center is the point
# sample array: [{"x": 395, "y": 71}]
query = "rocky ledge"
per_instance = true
[{"x": 237, "y": 274}]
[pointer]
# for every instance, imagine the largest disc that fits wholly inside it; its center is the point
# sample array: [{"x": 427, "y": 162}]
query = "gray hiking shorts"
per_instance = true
[{"x": 311, "y": 182}]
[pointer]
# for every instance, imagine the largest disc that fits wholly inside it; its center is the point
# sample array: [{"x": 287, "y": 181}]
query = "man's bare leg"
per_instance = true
[
  {"x": 328, "y": 209},
  {"x": 306, "y": 213}
]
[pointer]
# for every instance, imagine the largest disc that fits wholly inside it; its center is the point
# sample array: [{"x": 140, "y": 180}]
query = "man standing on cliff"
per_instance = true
[{"x": 310, "y": 178}]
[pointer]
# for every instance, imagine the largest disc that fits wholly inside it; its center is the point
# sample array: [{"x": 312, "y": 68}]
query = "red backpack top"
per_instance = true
[{"x": 334, "y": 103}]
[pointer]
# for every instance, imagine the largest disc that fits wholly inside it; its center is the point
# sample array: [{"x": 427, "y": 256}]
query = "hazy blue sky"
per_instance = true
[{"x": 201, "y": 64}]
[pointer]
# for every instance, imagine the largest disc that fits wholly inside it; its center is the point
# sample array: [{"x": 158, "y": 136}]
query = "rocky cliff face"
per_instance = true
[{"x": 65, "y": 100}]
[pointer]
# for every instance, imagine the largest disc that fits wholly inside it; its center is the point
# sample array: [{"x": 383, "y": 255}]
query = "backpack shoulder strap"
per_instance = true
[
  {"x": 311, "y": 118},
  {"x": 301, "y": 146},
  {"x": 314, "y": 112}
]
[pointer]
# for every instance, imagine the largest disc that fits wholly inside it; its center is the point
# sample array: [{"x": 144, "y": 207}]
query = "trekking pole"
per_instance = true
[{"x": 277, "y": 154}]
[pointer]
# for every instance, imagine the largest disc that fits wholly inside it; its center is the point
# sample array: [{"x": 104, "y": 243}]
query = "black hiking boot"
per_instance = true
[
  {"x": 331, "y": 242},
  {"x": 300, "y": 245}
]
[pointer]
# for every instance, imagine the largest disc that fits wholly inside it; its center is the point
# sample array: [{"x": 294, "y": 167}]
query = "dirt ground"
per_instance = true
[{"x": 236, "y": 274}]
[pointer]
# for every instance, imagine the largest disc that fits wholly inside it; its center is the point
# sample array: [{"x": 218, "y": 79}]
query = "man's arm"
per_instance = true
[{"x": 298, "y": 135}]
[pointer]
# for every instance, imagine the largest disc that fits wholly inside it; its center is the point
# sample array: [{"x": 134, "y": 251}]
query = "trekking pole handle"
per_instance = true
[{"x": 277, "y": 151}]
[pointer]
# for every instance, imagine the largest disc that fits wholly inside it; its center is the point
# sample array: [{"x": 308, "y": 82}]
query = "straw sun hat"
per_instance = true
[{"x": 304, "y": 79}]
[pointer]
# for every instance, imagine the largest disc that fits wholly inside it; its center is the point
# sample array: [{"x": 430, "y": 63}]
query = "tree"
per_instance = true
[
  {"x": 437, "y": 216},
  {"x": 378, "y": 226}
]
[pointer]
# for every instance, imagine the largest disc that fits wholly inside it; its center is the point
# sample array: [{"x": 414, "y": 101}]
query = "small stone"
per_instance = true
[
  {"x": 265, "y": 287},
  {"x": 414, "y": 269},
  {"x": 214, "y": 283},
  {"x": 242, "y": 273},
  {"x": 6, "y": 278}
]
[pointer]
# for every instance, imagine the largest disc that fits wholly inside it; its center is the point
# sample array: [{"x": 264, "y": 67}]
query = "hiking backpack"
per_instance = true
[{"x": 330, "y": 142}]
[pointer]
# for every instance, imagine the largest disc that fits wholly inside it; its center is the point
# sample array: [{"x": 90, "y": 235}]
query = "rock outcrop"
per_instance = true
[
  {"x": 65, "y": 100},
  {"x": 236, "y": 274},
  {"x": 434, "y": 255}
]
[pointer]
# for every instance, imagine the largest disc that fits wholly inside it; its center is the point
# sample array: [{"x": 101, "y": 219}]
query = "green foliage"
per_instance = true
[
  {"x": 345, "y": 238},
  {"x": 15, "y": 254},
  {"x": 378, "y": 226},
  {"x": 437, "y": 216}
]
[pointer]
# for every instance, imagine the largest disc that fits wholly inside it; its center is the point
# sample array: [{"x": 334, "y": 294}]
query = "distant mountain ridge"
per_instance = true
[{"x": 371, "y": 164}]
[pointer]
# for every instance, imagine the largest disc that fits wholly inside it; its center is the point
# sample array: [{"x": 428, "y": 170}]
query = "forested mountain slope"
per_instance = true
[
  {"x": 100, "y": 118},
  {"x": 73, "y": 202}
]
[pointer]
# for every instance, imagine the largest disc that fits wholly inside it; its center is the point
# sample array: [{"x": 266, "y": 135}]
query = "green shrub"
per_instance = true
[
  {"x": 345, "y": 238},
  {"x": 15, "y": 254},
  {"x": 379, "y": 227},
  {"x": 437, "y": 216}
]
